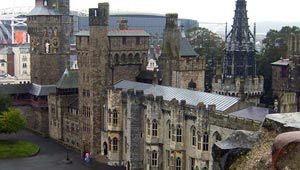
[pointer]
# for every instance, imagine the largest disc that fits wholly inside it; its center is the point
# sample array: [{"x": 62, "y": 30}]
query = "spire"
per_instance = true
[{"x": 240, "y": 46}]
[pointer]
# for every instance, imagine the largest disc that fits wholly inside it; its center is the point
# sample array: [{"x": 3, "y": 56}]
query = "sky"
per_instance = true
[{"x": 214, "y": 11}]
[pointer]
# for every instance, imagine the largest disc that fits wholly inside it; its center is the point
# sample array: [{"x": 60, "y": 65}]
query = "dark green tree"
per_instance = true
[
  {"x": 274, "y": 48},
  {"x": 5, "y": 103},
  {"x": 11, "y": 121},
  {"x": 211, "y": 46}
]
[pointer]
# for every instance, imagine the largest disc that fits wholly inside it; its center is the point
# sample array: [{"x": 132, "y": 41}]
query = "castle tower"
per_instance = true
[
  {"x": 93, "y": 77},
  {"x": 179, "y": 63},
  {"x": 239, "y": 76},
  {"x": 49, "y": 26}
]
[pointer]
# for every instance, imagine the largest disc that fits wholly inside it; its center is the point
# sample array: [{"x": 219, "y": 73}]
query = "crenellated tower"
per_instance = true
[
  {"x": 239, "y": 76},
  {"x": 49, "y": 26},
  {"x": 93, "y": 77}
]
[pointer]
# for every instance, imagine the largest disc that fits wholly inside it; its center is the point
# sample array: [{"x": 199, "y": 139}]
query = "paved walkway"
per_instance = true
[{"x": 50, "y": 157}]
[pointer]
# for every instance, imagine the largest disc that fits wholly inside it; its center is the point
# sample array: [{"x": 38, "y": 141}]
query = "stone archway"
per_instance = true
[{"x": 105, "y": 148}]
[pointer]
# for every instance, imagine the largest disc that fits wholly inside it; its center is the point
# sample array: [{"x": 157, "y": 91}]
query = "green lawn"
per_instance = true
[{"x": 17, "y": 149}]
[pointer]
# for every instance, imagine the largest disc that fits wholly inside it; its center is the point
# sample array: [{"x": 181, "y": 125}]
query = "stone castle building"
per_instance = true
[
  {"x": 239, "y": 76},
  {"x": 285, "y": 79},
  {"x": 180, "y": 65},
  {"x": 122, "y": 122}
]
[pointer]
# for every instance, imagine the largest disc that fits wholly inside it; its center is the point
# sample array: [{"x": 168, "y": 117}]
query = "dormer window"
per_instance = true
[{"x": 45, "y": 2}]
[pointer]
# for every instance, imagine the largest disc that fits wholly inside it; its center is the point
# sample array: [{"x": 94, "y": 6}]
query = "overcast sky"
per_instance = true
[{"x": 201, "y": 10}]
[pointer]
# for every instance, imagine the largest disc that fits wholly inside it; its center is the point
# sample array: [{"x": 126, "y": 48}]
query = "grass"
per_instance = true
[{"x": 17, "y": 149}]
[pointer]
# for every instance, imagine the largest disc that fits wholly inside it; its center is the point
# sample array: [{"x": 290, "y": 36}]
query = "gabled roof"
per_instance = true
[
  {"x": 282, "y": 62},
  {"x": 69, "y": 80},
  {"x": 186, "y": 50},
  {"x": 42, "y": 10},
  {"x": 253, "y": 113},
  {"x": 119, "y": 33},
  {"x": 190, "y": 96}
]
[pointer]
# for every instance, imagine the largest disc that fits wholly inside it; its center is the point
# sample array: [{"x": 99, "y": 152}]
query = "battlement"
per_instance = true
[
  {"x": 171, "y": 20},
  {"x": 233, "y": 122}
]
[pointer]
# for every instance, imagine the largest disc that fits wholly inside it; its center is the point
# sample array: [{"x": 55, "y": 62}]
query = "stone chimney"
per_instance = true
[{"x": 122, "y": 24}]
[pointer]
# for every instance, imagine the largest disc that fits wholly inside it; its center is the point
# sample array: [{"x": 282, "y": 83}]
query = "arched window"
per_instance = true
[
  {"x": 178, "y": 163},
  {"x": 115, "y": 144},
  {"x": 117, "y": 59},
  {"x": 115, "y": 117},
  {"x": 154, "y": 158},
  {"x": 178, "y": 134},
  {"x": 148, "y": 127},
  {"x": 205, "y": 141},
  {"x": 193, "y": 136},
  {"x": 169, "y": 129},
  {"x": 154, "y": 128},
  {"x": 199, "y": 141}
]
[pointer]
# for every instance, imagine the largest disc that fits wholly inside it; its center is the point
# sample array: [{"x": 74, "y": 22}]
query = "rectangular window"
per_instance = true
[
  {"x": 124, "y": 40},
  {"x": 192, "y": 163},
  {"x": 168, "y": 157},
  {"x": 138, "y": 41},
  {"x": 154, "y": 159}
]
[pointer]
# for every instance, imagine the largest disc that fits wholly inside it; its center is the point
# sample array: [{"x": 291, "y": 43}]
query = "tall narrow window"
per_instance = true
[
  {"x": 205, "y": 141},
  {"x": 168, "y": 157},
  {"x": 115, "y": 144},
  {"x": 193, "y": 135},
  {"x": 169, "y": 129},
  {"x": 115, "y": 117},
  {"x": 178, "y": 134},
  {"x": 199, "y": 141},
  {"x": 154, "y": 159},
  {"x": 148, "y": 127},
  {"x": 109, "y": 116},
  {"x": 178, "y": 163},
  {"x": 154, "y": 128},
  {"x": 192, "y": 163}
]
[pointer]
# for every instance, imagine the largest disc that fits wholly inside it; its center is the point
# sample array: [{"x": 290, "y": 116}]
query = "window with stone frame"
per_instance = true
[
  {"x": 178, "y": 163},
  {"x": 199, "y": 141},
  {"x": 109, "y": 116},
  {"x": 168, "y": 157},
  {"x": 115, "y": 144},
  {"x": 154, "y": 128},
  {"x": 193, "y": 136},
  {"x": 169, "y": 129},
  {"x": 205, "y": 142},
  {"x": 148, "y": 127},
  {"x": 174, "y": 133},
  {"x": 192, "y": 163},
  {"x": 115, "y": 117},
  {"x": 154, "y": 159},
  {"x": 179, "y": 134}
]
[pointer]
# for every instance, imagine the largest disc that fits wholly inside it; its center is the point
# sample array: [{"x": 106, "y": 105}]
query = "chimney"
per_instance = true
[
  {"x": 122, "y": 24},
  {"x": 171, "y": 20}
]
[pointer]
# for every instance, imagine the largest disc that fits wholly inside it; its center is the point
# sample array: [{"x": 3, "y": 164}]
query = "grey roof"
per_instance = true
[
  {"x": 42, "y": 90},
  {"x": 287, "y": 119},
  {"x": 117, "y": 33},
  {"x": 282, "y": 62},
  {"x": 5, "y": 51},
  {"x": 83, "y": 33},
  {"x": 14, "y": 89},
  {"x": 253, "y": 113},
  {"x": 191, "y": 97},
  {"x": 42, "y": 10},
  {"x": 2, "y": 61},
  {"x": 69, "y": 80},
  {"x": 186, "y": 50}
]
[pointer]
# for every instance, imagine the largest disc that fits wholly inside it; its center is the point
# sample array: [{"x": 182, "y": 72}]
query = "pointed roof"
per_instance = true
[
  {"x": 186, "y": 49},
  {"x": 42, "y": 10},
  {"x": 69, "y": 80}
]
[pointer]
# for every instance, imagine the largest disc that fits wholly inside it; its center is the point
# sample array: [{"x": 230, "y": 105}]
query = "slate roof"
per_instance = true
[
  {"x": 186, "y": 50},
  {"x": 42, "y": 10},
  {"x": 14, "y": 89},
  {"x": 190, "y": 96},
  {"x": 69, "y": 80},
  {"x": 287, "y": 119},
  {"x": 42, "y": 90},
  {"x": 75, "y": 103},
  {"x": 2, "y": 61},
  {"x": 5, "y": 51},
  {"x": 282, "y": 62},
  {"x": 119, "y": 33},
  {"x": 253, "y": 113}
]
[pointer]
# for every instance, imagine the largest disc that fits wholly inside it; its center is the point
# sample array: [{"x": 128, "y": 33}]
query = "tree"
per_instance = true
[
  {"x": 5, "y": 103},
  {"x": 209, "y": 45},
  {"x": 11, "y": 121},
  {"x": 275, "y": 47}
]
